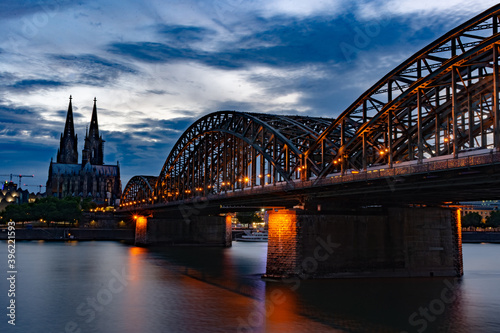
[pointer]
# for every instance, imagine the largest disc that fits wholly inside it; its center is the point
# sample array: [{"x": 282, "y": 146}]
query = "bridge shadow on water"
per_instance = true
[{"x": 327, "y": 305}]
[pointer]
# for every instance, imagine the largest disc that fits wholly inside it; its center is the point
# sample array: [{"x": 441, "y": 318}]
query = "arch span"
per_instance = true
[
  {"x": 442, "y": 100},
  {"x": 139, "y": 190},
  {"x": 230, "y": 150}
]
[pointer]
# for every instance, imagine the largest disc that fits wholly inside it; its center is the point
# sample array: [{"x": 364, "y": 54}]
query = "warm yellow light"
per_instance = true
[
  {"x": 260, "y": 176},
  {"x": 246, "y": 179}
]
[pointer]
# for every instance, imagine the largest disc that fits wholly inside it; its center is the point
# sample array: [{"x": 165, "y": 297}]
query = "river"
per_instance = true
[{"x": 114, "y": 287}]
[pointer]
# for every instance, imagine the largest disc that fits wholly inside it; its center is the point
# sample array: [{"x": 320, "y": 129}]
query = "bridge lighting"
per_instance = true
[
  {"x": 223, "y": 184},
  {"x": 260, "y": 176},
  {"x": 381, "y": 152},
  {"x": 334, "y": 162},
  {"x": 268, "y": 175},
  {"x": 246, "y": 179},
  {"x": 386, "y": 149}
]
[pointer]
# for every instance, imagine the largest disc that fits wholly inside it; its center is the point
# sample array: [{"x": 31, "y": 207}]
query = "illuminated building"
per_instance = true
[{"x": 91, "y": 178}]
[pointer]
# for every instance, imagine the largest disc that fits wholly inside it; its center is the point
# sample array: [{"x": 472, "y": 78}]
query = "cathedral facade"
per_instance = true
[{"x": 90, "y": 179}]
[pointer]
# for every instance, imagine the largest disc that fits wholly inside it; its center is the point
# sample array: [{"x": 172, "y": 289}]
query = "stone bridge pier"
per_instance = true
[
  {"x": 162, "y": 229},
  {"x": 390, "y": 242}
]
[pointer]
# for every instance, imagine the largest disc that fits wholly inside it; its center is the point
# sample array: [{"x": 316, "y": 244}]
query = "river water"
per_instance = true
[{"x": 113, "y": 287}]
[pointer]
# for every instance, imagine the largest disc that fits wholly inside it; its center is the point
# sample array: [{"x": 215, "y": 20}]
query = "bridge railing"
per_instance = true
[{"x": 426, "y": 166}]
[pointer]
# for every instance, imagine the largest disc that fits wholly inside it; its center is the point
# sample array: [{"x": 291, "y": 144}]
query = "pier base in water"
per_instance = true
[{"x": 393, "y": 242}]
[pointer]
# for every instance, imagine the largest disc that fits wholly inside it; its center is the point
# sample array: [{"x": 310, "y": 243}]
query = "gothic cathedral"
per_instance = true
[{"x": 91, "y": 178}]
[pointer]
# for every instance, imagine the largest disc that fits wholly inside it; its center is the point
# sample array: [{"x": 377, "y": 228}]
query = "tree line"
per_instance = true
[
  {"x": 48, "y": 209},
  {"x": 476, "y": 220}
]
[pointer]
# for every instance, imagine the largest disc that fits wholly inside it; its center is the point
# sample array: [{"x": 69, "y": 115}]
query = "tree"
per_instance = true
[
  {"x": 493, "y": 220},
  {"x": 47, "y": 209},
  {"x": 472, "y": 220}
]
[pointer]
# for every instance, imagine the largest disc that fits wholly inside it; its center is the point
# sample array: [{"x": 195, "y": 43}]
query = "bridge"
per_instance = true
[{"x": 426, "y": 134}]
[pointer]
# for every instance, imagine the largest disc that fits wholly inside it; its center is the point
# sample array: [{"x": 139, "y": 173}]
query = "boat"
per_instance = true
[{"x": 259, "y": 236}]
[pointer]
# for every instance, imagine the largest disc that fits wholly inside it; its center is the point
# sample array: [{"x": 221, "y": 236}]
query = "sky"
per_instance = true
[{"x": 155, "y": 67}]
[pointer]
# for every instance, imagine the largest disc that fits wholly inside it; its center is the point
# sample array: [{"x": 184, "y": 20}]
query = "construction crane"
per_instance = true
[
  {"x": 20, "y": 177},
  {"x": 39, "y": 186}
]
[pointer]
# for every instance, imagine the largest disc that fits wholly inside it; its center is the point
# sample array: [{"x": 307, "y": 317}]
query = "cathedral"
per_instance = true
[{"x": 91, "y": 178}]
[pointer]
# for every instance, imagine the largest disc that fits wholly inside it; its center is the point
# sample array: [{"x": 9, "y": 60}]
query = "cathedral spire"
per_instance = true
[
  {"x": 68, "y": 152},
  {"x": 93, "y": 147},
  {"x": 94, "y": 127},
  {"x": 69, "y": 128}
]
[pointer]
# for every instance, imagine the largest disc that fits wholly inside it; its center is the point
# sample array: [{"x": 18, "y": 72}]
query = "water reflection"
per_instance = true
[{"x": 112, "y": 287}]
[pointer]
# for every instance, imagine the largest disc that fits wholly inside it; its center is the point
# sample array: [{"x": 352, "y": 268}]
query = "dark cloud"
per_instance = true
[
  {"x": 156, "y": 92},
  {"x": 182, "y": 35},
  {"x": 280, "y": 42},
  {"x": 92, "y": 70},
  {"x": 35, "y": 84}
]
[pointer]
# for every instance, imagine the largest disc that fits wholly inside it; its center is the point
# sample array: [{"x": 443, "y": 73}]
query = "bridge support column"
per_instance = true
[
  {"x": 141, "y": 231},
  {"x": 195, "y": 230},
  {"x": 393, "y": 242}
]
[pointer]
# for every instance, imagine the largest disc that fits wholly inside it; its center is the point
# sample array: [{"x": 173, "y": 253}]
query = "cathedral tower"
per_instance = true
[
  {"x": 68, "y": 150},
  {"x": 93, "y": 146}
]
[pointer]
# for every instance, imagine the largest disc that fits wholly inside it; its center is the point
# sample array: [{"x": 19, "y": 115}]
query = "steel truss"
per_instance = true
[
  {"x": 230, "y": 150},
  {"x": 441, "y": 101},
  {"x": 139, "y": 190}
]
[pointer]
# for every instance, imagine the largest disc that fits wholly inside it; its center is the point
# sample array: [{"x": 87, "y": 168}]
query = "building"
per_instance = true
[
  {"x": 483, "y": 208},
  {"x": 11, "y": 194},
  {"x": 90, "y": 179}
]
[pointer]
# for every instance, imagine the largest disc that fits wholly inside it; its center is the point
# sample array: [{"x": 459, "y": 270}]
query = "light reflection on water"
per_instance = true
[{"x": 113, "y": 287}]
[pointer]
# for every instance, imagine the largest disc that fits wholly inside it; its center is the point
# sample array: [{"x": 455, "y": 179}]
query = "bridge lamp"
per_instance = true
[
  {"x": 260, "y": 176},
  {"x": 246, "y": 179},
  {"x": 268, "y": 175}
]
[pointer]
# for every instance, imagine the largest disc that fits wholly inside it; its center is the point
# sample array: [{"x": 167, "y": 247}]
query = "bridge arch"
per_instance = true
[
  {"x": 442, "y": 100},
  {"x": 139, "y": 191},
  {"x": 230, "y": 150}
]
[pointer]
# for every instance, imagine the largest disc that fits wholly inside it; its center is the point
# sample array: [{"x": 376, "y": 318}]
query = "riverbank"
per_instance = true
[{"x": 480, "y": 237}]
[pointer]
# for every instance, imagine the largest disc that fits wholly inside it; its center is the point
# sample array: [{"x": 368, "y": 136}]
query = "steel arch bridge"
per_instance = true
[
  {"x": 442, "y": 101},
  {"x": 139, "y": 190}
]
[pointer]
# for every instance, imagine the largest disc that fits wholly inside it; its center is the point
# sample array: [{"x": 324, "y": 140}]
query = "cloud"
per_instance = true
[
  {"x": 183, "y": 35},
  {"x": 35, "y": 84},
  {"x": 90, "y": 69}
]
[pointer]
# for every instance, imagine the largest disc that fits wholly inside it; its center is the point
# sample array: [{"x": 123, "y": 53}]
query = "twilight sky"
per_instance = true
[{"x": 157, "y": 66}]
